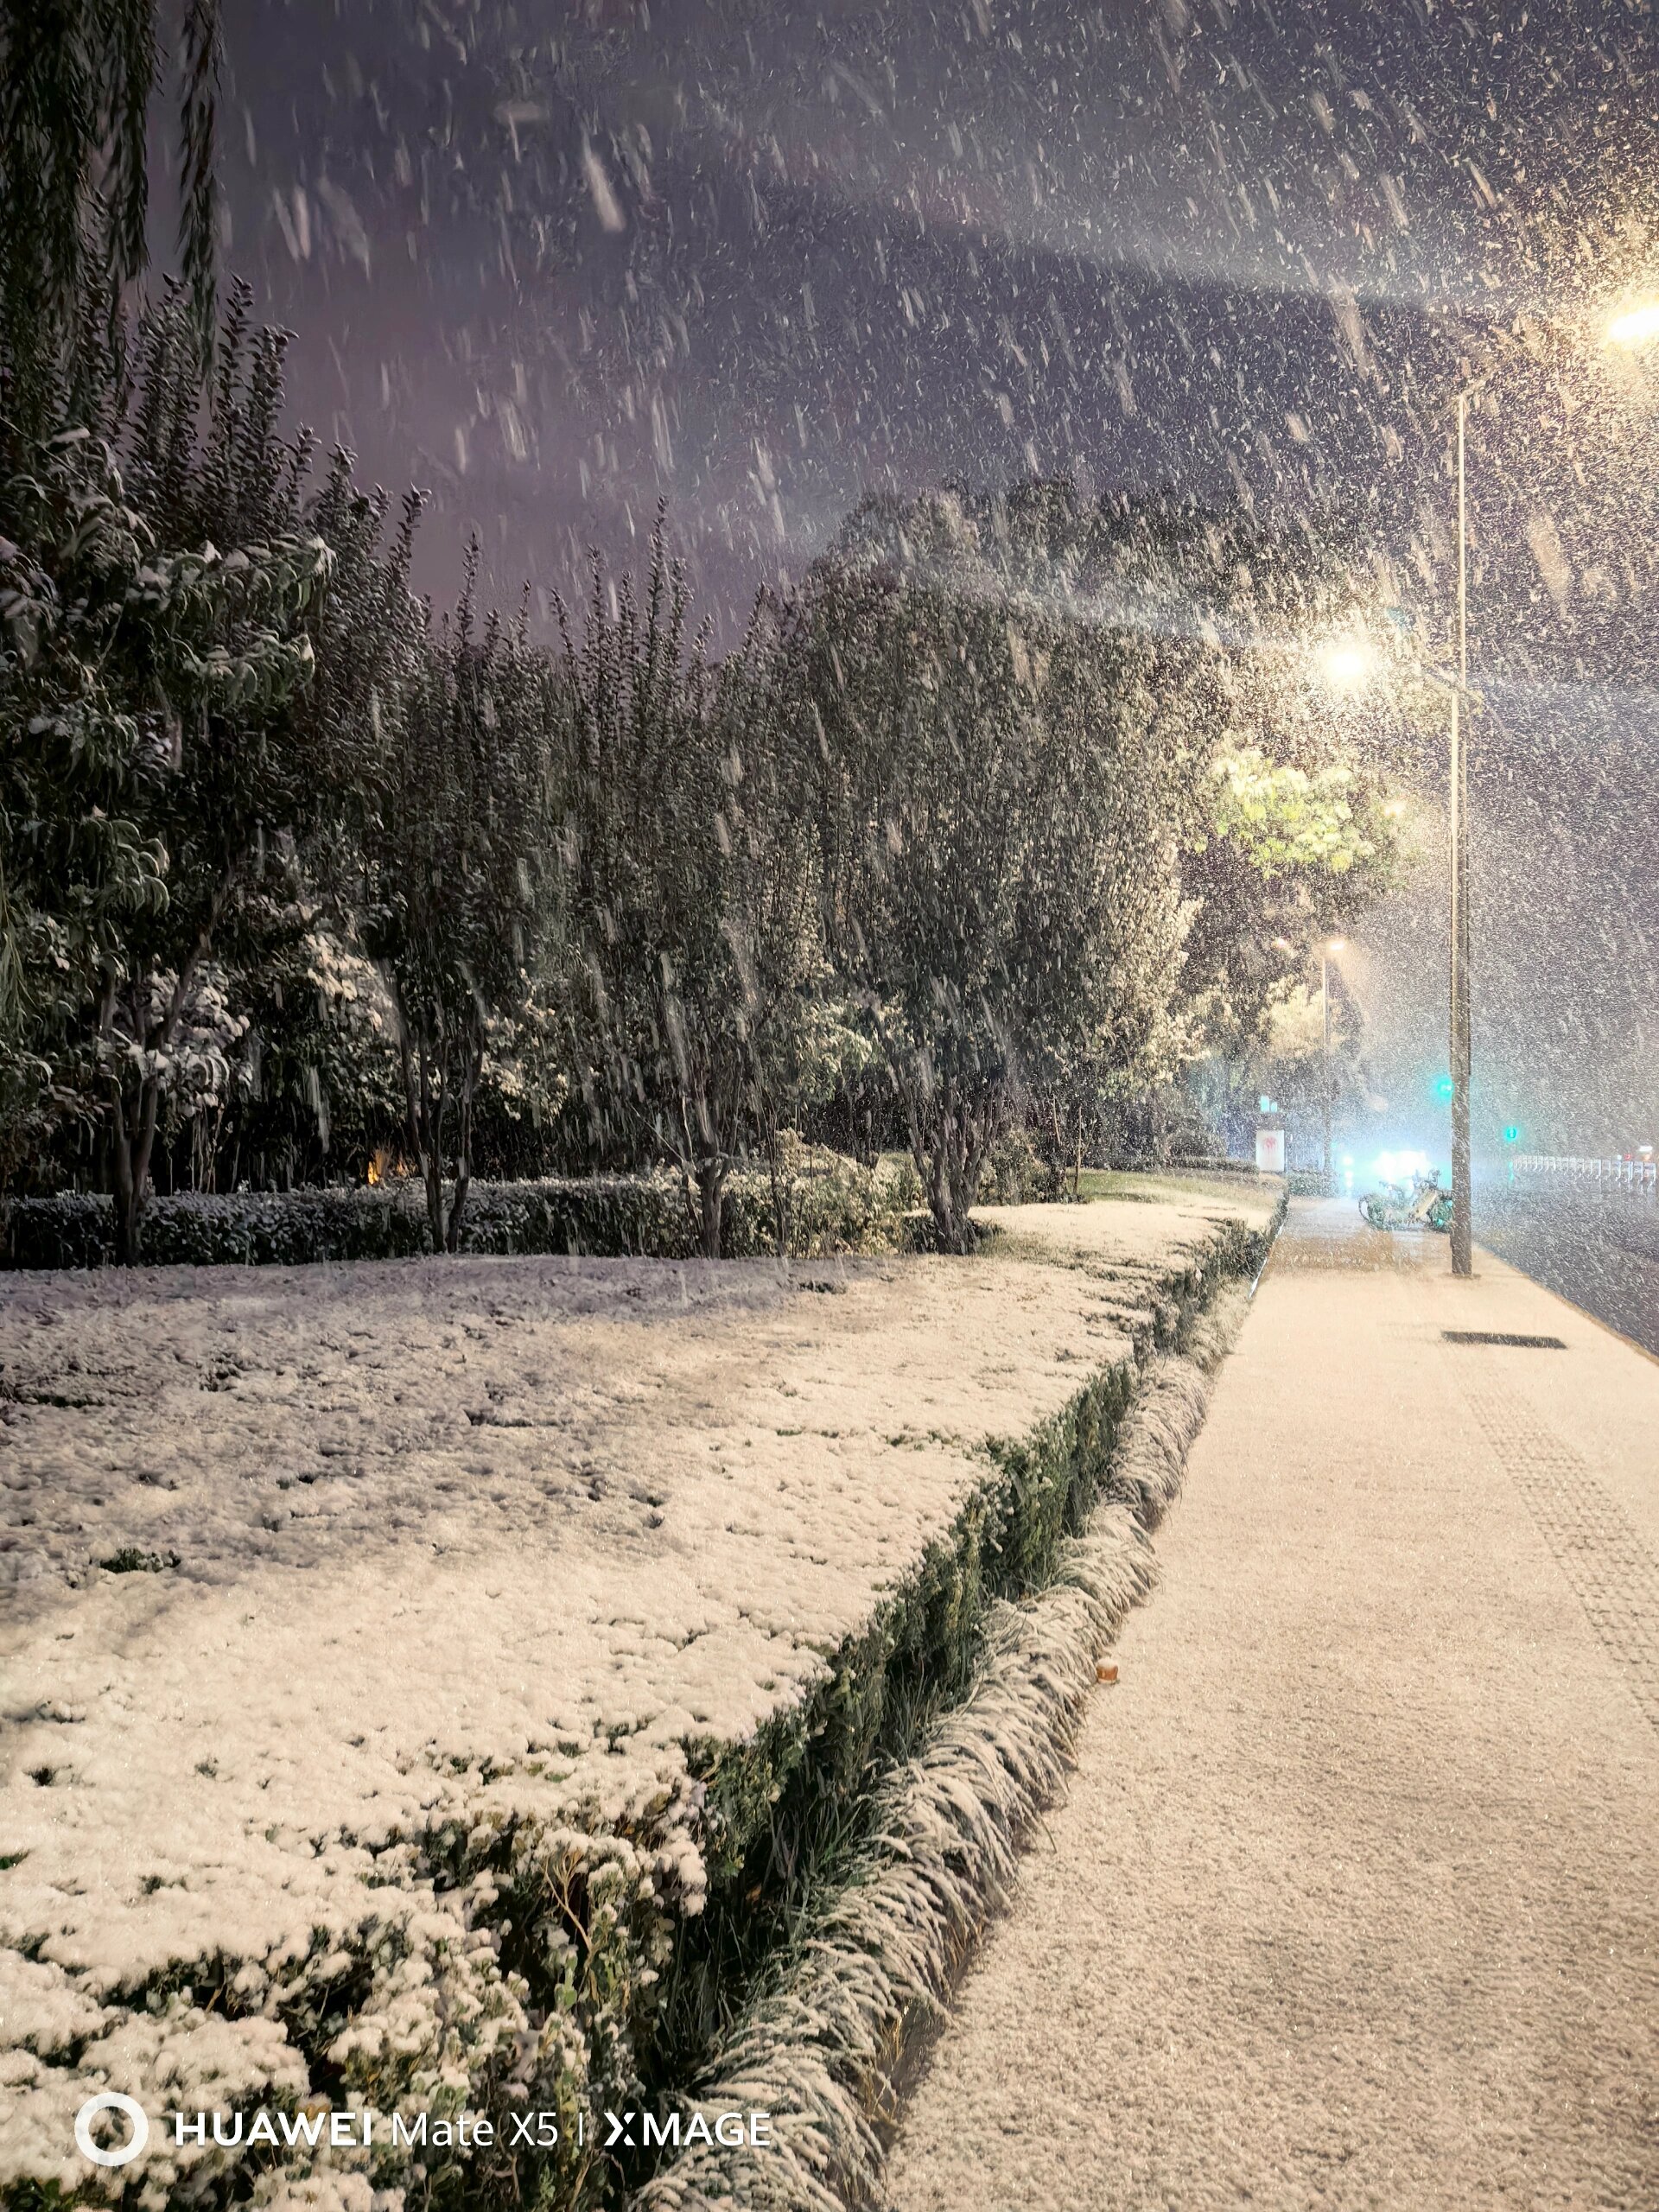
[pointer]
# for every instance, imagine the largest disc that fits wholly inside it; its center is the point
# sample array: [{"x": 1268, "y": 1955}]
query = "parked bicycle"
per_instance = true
[{"x": 1420, "y": 1204}]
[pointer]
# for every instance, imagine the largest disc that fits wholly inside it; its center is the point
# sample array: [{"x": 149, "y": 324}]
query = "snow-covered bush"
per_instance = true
[
  {"x": 849, "y": 1208},
  {"x": 485, "y": 1923}
]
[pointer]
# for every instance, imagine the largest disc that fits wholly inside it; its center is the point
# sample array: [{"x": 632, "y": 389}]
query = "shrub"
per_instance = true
[
  {"x": 1014, "y": 1174},
  {"x": 842, "y": 1207}
]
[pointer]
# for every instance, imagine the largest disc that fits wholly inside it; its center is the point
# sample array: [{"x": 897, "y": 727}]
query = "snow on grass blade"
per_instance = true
[{"x": 823, "y": 2047}]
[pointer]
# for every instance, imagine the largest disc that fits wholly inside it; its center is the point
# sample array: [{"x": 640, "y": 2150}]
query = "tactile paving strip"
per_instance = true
[{"x": 1612, "y": 1572}]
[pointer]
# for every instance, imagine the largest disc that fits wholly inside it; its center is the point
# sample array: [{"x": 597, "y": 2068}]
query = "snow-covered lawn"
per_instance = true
[{"x": 422, "y": 1553}]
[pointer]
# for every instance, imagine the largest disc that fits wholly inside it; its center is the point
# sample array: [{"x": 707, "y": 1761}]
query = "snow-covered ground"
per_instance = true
[{"x": 436, "y": 1545}]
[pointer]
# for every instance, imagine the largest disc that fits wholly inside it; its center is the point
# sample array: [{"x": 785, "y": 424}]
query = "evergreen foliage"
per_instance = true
[
  {"x": 152, "y": 755},
  {"x": 689, "y": 888},
  {"x": 999, "y": 883},
  {"x": 451, "y": 842},
  {"x": 76, "y": 82}
]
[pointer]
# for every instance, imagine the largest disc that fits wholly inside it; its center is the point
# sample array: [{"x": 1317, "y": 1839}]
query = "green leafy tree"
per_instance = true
[
  {"x": 77, "y": 868},
  {"x": 1275, "y": 856},
  {"x": 316, "y": 1083},
  {"x": 182, "y": 725},
  {"x": 76, "y": 81},
  {"x": 998, "y": 857},
  {"x": 452, "y": 845},
  {"x": 138, "y": 683},
  {"x": 689, "y": 885},
  {"x": 1280, "y": 819}
]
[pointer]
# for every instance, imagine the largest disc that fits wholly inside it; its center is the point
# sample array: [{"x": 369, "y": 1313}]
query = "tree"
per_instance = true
[
  {"x": 182, "y": 726},
  {"x": 76, "y": 867},
  {"x": 451, "y": 842},
  {"x": 1280, "y": 819},
  {"x": 317, "y": 1082},
  {"x": 998, "y": 867},
  {"x": 76, "y": 80},
  {"x": 141, "y": 687},
  {"x": 1274, "y": 857},
  {"x": 688, "y": 882}
]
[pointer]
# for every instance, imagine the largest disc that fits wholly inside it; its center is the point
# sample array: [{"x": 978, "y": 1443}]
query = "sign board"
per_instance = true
[{"x": 1270, "y": 1151}]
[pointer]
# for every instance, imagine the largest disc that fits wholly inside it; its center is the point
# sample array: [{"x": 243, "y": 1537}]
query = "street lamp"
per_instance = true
[
  {"x": 1637, "y": 327},
  {"x": 1633, "y": 328},
  {"x": 1346, "y": 665}
]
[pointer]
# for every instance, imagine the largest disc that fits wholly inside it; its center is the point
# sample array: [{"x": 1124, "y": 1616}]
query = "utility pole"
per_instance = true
[{"x": 1461, "y": 1210}]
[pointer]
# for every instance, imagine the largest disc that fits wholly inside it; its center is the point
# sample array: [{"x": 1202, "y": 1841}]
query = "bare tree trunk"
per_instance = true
[
  {"x": 432, "y": 1121},
  {"x": 956, "y": 1158},
  {"x": 711, "y": 1190},
  {"x": 780, "y": 1196},
  {"x": 1160, "y": 1106},
  {"x": 133, "y": 1137},
  {"x": 417, "y": 1103},
  {"x": 129, "y": 1203},
  {"x": 204, "y": 1134},
  {"x": 976, "y": 1147},
  {"x": 940, "y": 1162},
  {"x": 464, "y": 1141},
  {"x": 133, "y": 1142}
]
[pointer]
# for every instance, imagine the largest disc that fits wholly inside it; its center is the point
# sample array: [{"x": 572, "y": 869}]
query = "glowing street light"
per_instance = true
[
  {"x": 1635, "y": 327},
  {"x": 1347, "y": 663}
]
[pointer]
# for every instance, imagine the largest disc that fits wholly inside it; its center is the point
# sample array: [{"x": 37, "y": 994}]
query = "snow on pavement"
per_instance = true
[{"x": 1354, "y": 1900}]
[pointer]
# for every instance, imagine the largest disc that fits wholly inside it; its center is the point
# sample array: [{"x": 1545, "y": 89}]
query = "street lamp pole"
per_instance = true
[
  {"x": 1635, "y": 329},
  {"x": 1461, "y": 1210}
]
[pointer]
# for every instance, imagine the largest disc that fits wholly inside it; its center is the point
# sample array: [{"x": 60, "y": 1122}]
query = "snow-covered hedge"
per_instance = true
[
  {"x": 848, "y": 1208},
  {"x": 479, "y": 1937}
]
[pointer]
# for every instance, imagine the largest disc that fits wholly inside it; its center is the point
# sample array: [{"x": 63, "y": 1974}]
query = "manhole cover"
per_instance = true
[{"x": 1494, "y": 1337}]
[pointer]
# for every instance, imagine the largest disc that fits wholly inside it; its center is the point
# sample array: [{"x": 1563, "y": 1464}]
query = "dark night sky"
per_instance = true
[{"x": 556, "y": 263}]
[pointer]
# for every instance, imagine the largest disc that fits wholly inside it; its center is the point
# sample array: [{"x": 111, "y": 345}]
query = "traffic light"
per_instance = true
[
  {"x": 1445, "y": 1087},
  {"x": 1512, "y": 1133}
]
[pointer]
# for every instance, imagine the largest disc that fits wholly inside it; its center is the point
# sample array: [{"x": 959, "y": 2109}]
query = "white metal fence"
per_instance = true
[{"x": 1628, "y": 1174}]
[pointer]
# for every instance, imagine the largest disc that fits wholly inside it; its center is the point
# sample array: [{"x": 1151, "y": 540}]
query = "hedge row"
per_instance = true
[
  {"x": 849, "y": 1208},
  {"x": 581, "y": 1929},
  {"x": 782, "y": 1801}
]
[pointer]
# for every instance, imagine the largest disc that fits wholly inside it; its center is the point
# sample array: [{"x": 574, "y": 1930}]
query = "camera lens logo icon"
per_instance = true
[{"x": 111, "y": 2100}]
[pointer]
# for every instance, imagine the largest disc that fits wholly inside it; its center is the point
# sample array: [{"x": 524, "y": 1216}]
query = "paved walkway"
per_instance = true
[{"x": 1355, "y": 1898}]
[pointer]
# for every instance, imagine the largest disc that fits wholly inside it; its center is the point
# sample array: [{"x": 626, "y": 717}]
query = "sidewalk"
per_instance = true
[{"x": 1355, "y": 1898}]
